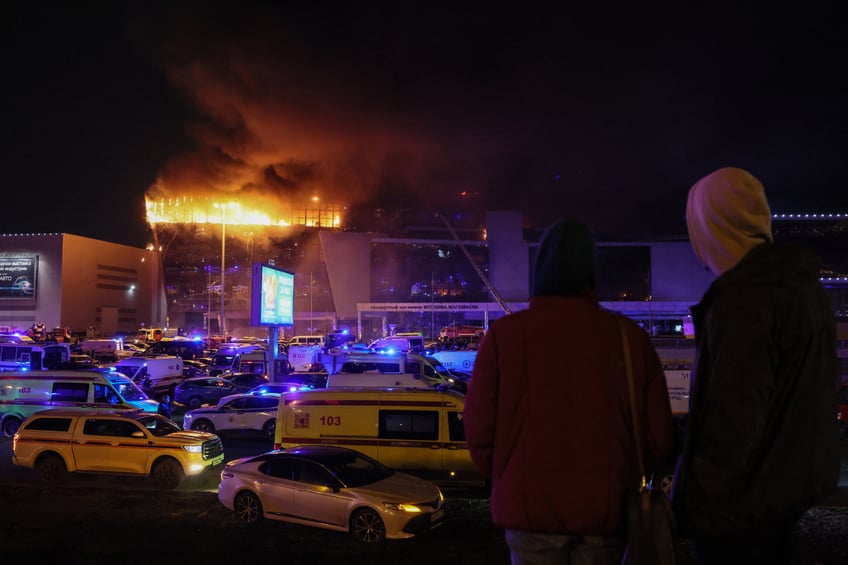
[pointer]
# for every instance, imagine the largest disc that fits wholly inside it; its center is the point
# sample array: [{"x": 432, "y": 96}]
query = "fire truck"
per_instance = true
[{"x": 461, "y": 332}]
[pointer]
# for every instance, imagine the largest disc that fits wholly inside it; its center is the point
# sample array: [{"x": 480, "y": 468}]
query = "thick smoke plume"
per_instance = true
[{"x": 549, "y": 109}]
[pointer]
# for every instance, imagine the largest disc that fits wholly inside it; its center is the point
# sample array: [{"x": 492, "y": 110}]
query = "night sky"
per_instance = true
[{"x": 604, "y": 114}]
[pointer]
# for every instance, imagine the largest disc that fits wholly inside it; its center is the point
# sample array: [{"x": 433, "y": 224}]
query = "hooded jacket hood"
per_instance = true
[
  {"x": 727, "y": 215},
  {"x": 567, "y": 261}
]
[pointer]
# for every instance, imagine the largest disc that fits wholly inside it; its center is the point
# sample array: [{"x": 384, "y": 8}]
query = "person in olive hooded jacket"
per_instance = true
[
  {"x": 761, "y": 439},
  {"x": 547, "y": 415}
]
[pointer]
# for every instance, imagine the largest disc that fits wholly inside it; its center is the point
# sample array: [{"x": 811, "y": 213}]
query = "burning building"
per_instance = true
[
  {"x": 203, "y": 243},
  {"x": 209, "y": 244}
]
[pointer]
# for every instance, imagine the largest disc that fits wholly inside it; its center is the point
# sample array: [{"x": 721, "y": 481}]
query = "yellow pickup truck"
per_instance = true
[{"x": 56, "y": 442}]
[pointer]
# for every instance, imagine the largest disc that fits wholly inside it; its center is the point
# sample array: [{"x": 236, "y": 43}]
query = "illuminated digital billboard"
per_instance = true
[
  {"x": 272, "y": 296},
  {"x": 17, "y": 276}
]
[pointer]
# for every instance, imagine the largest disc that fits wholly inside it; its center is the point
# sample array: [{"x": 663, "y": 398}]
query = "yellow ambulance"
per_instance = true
[{"x": 418, "y": 431}]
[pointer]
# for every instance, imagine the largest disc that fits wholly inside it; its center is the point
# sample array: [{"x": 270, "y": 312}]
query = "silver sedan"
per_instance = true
[{"x": 334, "y": 488}]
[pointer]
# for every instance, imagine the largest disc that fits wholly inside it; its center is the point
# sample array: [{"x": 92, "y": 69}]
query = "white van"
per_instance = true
[
  {"x": 398, "y": 344},
  {"x": 228, "y": 358},
  {"x": 157, "y": 376},
  {"x": 303, "y": 357},
  {"x": 23, "y": 393},
  {"x": 427, "y": 371},
  {"x": 377, "y": 379},
  {"x": 307, "y": 340},
  {"x": 25, "y": 356},
  {"x": 105, "y": 350},
  {"x": 416, "y": 431}
]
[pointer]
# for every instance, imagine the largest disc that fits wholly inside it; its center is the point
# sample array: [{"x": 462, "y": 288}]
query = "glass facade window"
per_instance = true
[{"x": 416, "y": 272}]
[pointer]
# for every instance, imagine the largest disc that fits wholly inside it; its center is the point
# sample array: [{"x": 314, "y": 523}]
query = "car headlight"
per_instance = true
[
  {"x": 193, "y": 448},
  {"x": 401, "y": 507}
]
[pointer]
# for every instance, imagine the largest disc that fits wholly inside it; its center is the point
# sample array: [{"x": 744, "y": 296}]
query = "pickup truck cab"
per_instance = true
[{"x": 56, "y": 442}]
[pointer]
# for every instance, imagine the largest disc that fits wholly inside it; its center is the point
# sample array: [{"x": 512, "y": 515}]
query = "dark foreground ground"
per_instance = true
[{"x": 82, "y": 523}]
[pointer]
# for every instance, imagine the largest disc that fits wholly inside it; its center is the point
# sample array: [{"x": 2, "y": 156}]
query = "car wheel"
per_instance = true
[
  {"x": 248, "y": 508},
  {"x": 51, "y": 468},
  {"x": 203, "y": 426},
  {"x": 269, "y": 428},
  {"x": 167, "y": 474},
  {"x": 367, "y": 526},
  {"x": 11, "y": 425},
  {"x": 193, "y": 402}
]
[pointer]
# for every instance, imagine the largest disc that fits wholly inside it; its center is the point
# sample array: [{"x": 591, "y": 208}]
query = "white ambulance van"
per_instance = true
[
  {"x": 357, "y": 369},
  {"x": 413, "y": 430},
  {"x": 228, "y": 359},
  {"x": 399, "y": 343},
  {"x": 105, "y": 350},
  {"x": 27, "y": 356},
  {"x": 304, "y": 357},
  {"x": 157, "y": 376},
  {"x": 23, "y": 393}
]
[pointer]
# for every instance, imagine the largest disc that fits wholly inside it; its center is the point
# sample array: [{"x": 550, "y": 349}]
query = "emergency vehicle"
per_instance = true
[
  {"x": 57, "y": 442},
  {"x": 392, "y": 369},
  {"x": 418, "y": 431},
  {"x": 459, "y": 332},
  {"x": 27, "y": 356},
  {"x": 157, "y": 376},
  {"x": 23, "y": 393}
]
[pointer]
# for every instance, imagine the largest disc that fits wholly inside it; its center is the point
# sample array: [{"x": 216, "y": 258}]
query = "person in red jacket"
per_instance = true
[{"x": 547, "y": 413}]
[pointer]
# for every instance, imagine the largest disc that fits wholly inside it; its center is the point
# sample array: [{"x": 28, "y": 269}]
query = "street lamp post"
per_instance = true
[
  {"x": 222, "y": 321},
  {"x": 311, "y": 290},
  {"x": 208, "y": 302}
]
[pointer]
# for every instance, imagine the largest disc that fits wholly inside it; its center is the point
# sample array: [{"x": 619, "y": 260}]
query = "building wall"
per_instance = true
[
  {"x": 45, "y": 304},
  {"x": 347, "y": 260},
  {"x": 676, "y": 274},
  {"x": 676, "y": 279},
  {"x": 509, "y": 268},
  {"x": 83, "y": 282}
]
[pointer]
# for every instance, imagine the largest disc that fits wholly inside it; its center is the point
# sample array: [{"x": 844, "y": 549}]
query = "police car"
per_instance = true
[{"x": 237, "y": 412}]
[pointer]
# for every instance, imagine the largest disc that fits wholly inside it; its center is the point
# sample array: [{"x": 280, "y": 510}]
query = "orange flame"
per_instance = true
[{"x": 188, "y": 210}]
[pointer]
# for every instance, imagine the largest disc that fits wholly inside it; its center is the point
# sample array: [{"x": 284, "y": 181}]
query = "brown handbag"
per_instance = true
[{"x": 651, "y": 528}]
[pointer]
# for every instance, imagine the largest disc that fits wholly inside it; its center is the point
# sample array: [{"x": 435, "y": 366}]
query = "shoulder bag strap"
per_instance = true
[{"x": 631, "y": 392}]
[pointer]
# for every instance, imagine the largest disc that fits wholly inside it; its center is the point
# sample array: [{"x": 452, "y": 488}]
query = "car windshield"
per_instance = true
[
  {"x": 439, "y": 368},
  {"x": 159, "y": 425},
  {"x": 221, "y": 359},
  {"x": 132, "y": 371},
  {"x": 129, "y": 390},
  {"x": 356, "y": 470}
]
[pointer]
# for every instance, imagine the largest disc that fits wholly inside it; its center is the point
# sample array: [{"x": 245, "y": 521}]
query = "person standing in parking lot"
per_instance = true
[
  {"x": 761, "y": 438},
  {"x": 547, "y": 412}
]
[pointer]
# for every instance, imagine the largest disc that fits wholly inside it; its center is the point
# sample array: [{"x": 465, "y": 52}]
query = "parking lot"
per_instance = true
[{"x": 95, "y": 519}]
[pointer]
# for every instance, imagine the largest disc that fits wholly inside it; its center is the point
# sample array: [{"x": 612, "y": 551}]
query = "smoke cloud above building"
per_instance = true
[{"x": 607, "y": 114}]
